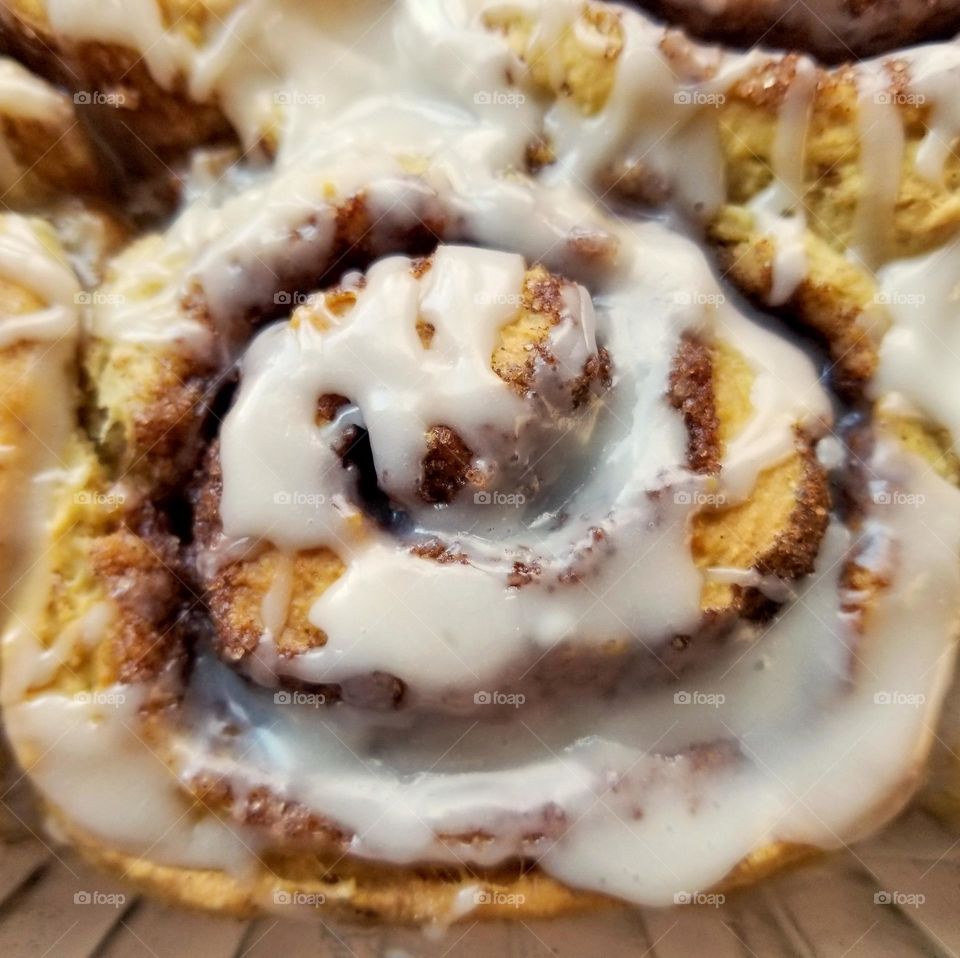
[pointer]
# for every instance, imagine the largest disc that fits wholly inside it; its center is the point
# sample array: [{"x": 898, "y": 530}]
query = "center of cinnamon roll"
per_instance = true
[
  {"x": 434, "y": 387},
  {"x": 435, "y": 407},
  {"x": 500, "y": 382},
  {"x": 466, "y": 468}
]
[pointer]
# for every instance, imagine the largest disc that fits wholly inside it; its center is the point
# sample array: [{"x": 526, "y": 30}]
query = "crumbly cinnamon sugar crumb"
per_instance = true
[
  {"x": 691, "y": 391},
  {"x": 328, "y": 405},
  {"x": 444, "y": 469}
]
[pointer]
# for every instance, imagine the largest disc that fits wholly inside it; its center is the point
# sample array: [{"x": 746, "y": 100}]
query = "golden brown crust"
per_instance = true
[
  {"x": 348, "y": 889},
  {"x": 776, "y": 531},
  {"x": 835, "y": 299},
  {"x": 235, "y": 593},
  {"x": 236, "y": 596},
  {"x": 141, "y": 576},
  {"x": 354, "y": 891},
  {"x": 146, "y": 410},
  {"x": 571, "y": 66},
  {"x": 923, "y": 438},
  {"x": 793, "y": 553}
]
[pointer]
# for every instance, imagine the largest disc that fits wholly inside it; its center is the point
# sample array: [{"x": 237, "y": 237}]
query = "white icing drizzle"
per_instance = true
[
  {"x": 461, "y": 624},
  {"x": 920, "y": 353},
  {"x": 786, "y": 393},
  {"x": 24, "y": 95},
  {"x": 881, "y": 157},
  {"x": 69, "y": 737},
  {"x": 27, "y": 262},
  {"x": 661, "y": 111},
  {"x": 807, "y": 753},
  {"x": 658, "y": 106},
  {"x": 779, "y": 209},
  {"x": 376, "y": 358},
  {"x": 933, "y": 73},
  {"x": 637, "y": 817}
]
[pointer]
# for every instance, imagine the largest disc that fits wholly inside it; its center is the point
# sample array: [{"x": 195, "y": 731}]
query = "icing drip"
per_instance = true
[
  {"x": 881, "y": 156},
  {"x": 25, "y": 261},
  {"x": 933, "y": 74},
  {"x": 919, "y": 354},
  {"x": 24, "y": 95},
  {"x": 779, "y": 209}
]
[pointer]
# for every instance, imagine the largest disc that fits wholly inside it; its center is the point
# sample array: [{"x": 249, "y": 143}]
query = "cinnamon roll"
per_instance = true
[{"x": 420, "y": 525}]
